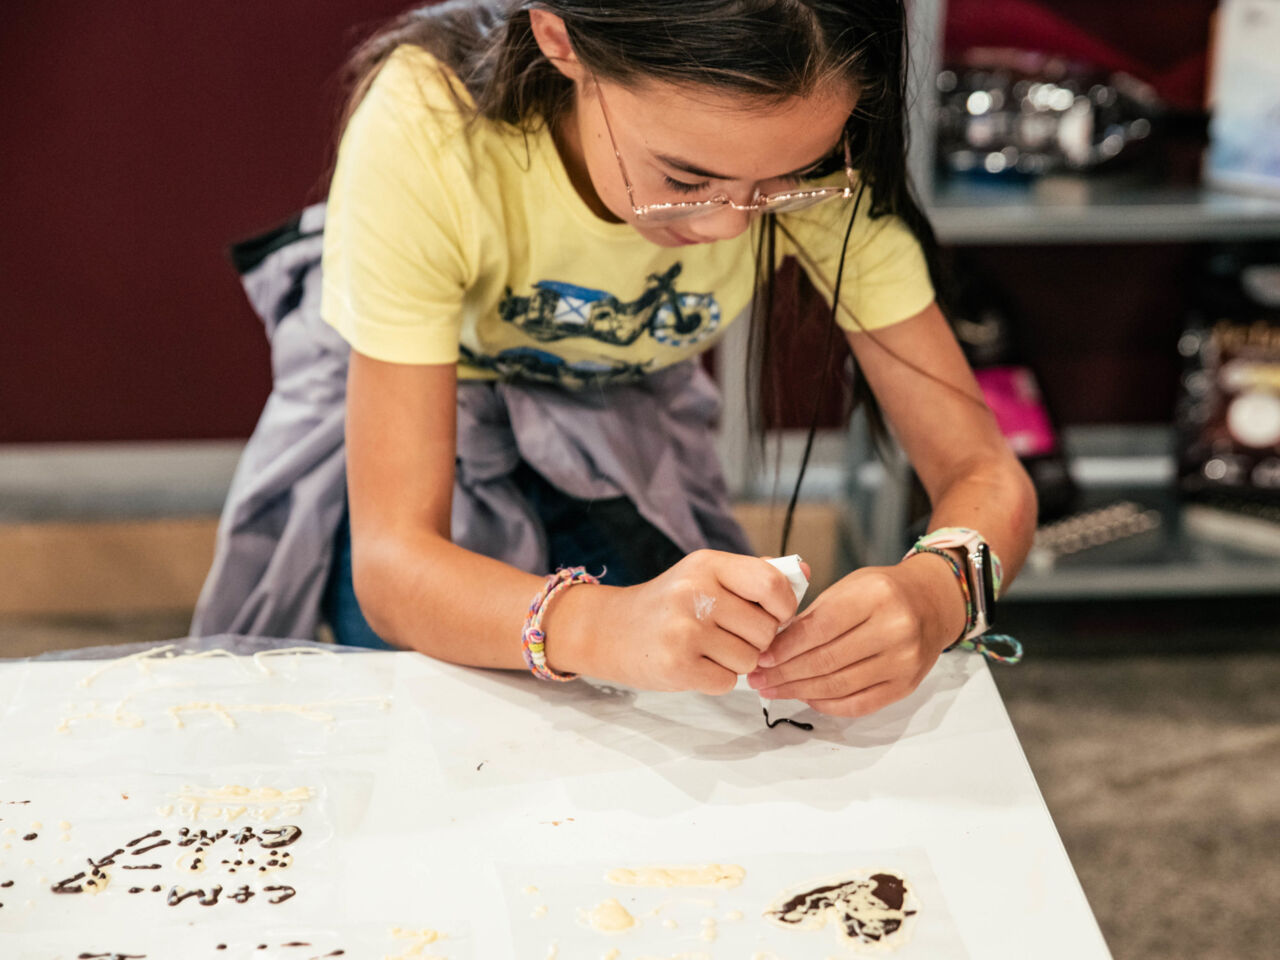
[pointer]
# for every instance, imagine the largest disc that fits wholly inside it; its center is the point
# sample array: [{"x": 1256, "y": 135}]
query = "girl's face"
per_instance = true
[
  {"x": 685, "y": 143},
  {"x": 680, "y": 144}
]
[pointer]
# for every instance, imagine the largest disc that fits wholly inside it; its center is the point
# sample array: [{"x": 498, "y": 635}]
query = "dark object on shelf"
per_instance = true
[
  {"x": 1016, "y": 114},
  {"x": 1229, "y": 405}
]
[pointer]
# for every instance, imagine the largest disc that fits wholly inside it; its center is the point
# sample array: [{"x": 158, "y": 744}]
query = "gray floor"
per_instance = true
[{"x": 1156, "y": 745}]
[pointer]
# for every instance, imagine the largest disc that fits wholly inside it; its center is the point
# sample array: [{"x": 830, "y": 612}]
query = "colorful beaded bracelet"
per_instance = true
[
  {"x": 983, "y": 644},
  {"x": 533, "y": 641}
]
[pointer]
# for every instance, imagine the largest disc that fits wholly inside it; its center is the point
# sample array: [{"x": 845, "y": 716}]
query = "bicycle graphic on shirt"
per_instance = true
[{"x": 557, "y": 311}]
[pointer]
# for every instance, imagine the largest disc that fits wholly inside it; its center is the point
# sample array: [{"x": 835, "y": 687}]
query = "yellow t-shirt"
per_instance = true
[{"x": 446, "y": 242}]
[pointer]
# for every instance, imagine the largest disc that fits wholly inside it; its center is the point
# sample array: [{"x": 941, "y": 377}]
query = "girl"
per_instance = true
[{"x": 540, "y": 212}]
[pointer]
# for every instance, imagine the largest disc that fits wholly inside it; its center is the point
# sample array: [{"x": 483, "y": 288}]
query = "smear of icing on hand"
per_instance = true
[
  {"x": 711, "y": 875},
  {"x": 703, "y": 605}
]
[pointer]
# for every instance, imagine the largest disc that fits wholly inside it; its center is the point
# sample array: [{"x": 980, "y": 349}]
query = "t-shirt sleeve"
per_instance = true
[
  {"x": 886, "y": 278},
  {"x": 395, "y": 265}
]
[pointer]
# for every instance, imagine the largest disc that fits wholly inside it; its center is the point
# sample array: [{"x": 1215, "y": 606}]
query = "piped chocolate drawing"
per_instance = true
[{"x": 867, "y": 911}]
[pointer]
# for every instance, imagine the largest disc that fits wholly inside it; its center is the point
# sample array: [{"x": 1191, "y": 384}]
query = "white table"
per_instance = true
[{"x": 437, "y": 798}]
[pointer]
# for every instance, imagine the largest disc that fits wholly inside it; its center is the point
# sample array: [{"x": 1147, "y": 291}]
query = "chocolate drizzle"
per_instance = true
[
  {"x": 146, "y": 836},
  {"x": 287, "y": 893},
  {"x": 205, "y": 898},
  {"x": 159, "y": 843},
  {"x": 795, "y": 723},
  {"x": 865, "y": 910}
]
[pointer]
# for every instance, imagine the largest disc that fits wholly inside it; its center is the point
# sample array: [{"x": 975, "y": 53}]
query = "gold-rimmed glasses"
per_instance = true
[{"x": 782, "y": 202}]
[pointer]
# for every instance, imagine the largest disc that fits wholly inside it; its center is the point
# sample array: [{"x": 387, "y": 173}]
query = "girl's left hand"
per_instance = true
[{"x": 867, "y": 641}]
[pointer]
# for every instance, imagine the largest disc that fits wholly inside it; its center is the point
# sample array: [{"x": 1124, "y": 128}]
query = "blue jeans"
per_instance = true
[{"x": 608, "y": 534}]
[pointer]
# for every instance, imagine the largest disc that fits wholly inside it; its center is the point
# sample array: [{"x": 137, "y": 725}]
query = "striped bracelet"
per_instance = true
[{"x": 533, "y": 642}]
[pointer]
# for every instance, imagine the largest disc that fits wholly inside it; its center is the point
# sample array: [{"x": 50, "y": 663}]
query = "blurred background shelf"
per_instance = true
[
  {"x": 1136, "y": 463},
  {"x": 1080, "y": 210}
]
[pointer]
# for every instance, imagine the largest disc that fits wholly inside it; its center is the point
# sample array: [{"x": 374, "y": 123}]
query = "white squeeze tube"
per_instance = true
[{"x": 791, "y": 569}]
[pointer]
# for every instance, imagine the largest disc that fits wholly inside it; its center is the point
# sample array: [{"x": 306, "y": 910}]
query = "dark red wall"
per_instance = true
[{"x": 140, "y": 139}]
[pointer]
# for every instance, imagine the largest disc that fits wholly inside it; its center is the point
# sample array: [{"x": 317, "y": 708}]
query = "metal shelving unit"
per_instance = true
[
  {"x": 1109, "y": 464},
  {"x": 1066, "y": 209},
  {"x": 1137, "y": 464},
  {"x": 1077, "y": 210}
]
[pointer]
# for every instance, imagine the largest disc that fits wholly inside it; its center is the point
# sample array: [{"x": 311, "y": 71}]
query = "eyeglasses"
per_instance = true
[{"x": 783, "y": 202}]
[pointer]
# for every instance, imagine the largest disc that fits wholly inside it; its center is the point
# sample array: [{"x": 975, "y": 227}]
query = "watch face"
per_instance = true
[{"x": 988, "y": 584}]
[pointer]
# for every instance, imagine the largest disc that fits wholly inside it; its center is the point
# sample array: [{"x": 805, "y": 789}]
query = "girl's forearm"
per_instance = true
[
  {"x": 999, "y": 501},
  {"x": 422, "y": 592}
]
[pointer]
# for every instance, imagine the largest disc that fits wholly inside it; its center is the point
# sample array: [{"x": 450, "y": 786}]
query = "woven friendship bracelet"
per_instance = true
[
  {"x": 533, "y": 642},
  {"x": 984, "y": 644}
]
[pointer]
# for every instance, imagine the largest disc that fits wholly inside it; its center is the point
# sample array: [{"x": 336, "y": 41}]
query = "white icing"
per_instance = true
[
  {"x": 609, "y": 916},
  {"x": 139, "y": 658},
  {"x": 418, "y": 941},
  {"x": 193, "y": 861},
  {"x": 711, "y": 875},
  {"x": 539, "y": 911},
  {"x": 234, "y": 801},
  {"x": 307, "y": 711},
  {"x": 259, "y": 658},
  {"x": 143, "y": 659},
  {"x": 96, "y": 882}
]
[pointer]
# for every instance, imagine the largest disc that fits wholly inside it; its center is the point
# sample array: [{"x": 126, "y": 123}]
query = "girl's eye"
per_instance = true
[{"x": 679, "y": 186}]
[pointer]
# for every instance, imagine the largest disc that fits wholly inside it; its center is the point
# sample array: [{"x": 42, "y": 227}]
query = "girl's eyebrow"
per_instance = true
[{"x": 684, "y": 165}]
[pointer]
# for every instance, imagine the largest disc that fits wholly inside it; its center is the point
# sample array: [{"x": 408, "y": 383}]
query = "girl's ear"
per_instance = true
[{"x": 553, "y": 40}]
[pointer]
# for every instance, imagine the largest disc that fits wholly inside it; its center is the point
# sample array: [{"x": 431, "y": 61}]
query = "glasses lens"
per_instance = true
[
  {"x": 660, "y": 213},
  {"x": 788, "y": 203}
]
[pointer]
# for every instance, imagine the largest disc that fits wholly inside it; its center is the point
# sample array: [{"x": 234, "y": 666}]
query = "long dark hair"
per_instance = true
[{"x": 767, "y": 50}]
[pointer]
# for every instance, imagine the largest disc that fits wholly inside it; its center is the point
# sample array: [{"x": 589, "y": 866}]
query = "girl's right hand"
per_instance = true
[{"x": 695, "y": 627}]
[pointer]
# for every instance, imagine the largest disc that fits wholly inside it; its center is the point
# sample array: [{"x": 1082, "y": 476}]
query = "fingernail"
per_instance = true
[
  {"x": 765, "y": 659},
  {"x": 768, "y": 692},
  {"x": 755, "y": 678}
]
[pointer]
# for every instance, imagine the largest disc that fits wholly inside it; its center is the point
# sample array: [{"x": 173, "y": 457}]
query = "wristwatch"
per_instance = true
[{"x": 981, "y": 570}]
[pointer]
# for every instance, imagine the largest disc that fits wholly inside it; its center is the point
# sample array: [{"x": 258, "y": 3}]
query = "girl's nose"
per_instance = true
[{"x": 723, "y": 223}]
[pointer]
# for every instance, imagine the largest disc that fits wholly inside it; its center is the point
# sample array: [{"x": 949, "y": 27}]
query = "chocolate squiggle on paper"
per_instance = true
[{"x": 773, "y": 723}]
